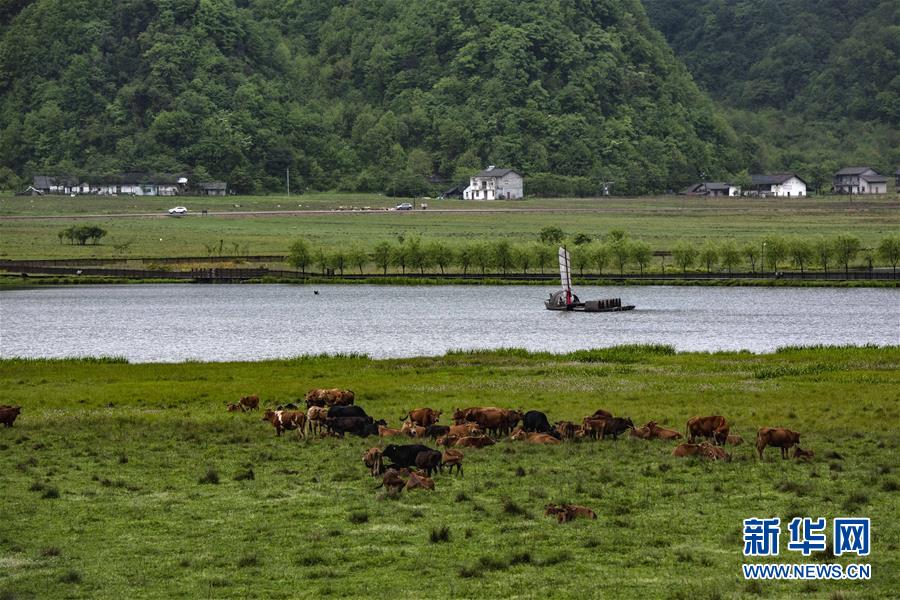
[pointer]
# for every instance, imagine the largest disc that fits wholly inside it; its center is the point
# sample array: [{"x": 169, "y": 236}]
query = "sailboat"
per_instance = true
[{"x": 565, "y": 299}]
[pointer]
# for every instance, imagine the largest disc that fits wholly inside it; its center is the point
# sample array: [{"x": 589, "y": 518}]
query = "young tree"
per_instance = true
[
  {"x": 709, "y": 255},
  {"x": 417, "y": 256},
  {"x": 751, "y": 253},
  {"x": 846, "y": 247},
  {"x": 616, "y": 235},
  {"x": 600, "y": 257},
  {"x": 551, "y": 235},
  {"x": 440, "y": 254},
  {"x": 543, "y": 256},
  {"x": 684, "y": 254},
  {"x": 299, "y": 255},
  {"x": 641, "y": 254},
  {"x": 581, "y": 257},
  {"x": 774, "y": 250},
  {"x": 620, "y": 249},
  {"x": 501, "y": 253},
  {"x": 581, "y": 238},
  {"x": 320, "y": 259},
  {"x": 338, "y": 259},
  {"x": 358, "y": 258},
  {"x": 823, "y": 252},
  {"x": 522, "y": 257},
  {"x": 729, "y": 256},
  {"x": 801, "y": 253},
  {"x": 383, "y": 256},
  {"x": 889, "y": 251},
  {"x": 481, "y": 256},
  {"x": 400, "y": 257},
  {"x": 464, "y": 258}
]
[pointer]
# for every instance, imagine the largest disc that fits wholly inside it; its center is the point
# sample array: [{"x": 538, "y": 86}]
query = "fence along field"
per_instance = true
[{"x": 132, "y": 480}]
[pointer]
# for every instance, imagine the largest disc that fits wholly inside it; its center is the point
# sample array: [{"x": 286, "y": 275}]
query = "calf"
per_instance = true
[
  {"x": 661, "y": 433},
  {"x": 686, "y": 449},
  {"x": 642, "y": 433},
  {"x": 435, "y": 431},
  {"x": 534, "y": 438},
  {"x": 474, "y": 442},
  {"x": 447, "y": 441},
  {"x": 568, "y": 512},
  {"x": 536, "y": 421},
  {"x": 616, "y": 426},
  {"x": 715, "y": 427},
  {"x": 404, "y": 455},
  {"x": 9, "y": 414},
  {"x": 428, "y": 461},
  {"x": 734, "y": 439},
  {"x": 423, "y": 417},
  {"x": 804, "y": 455},
  {"x": 452, "y": 458},
  {"x": 419, "y": 482},
  {"x": 286, "y": 419},
  {"x": 250, "y": 402},
  {"x": 372, "y": 460},
  {"x": 389, "y": 432},
  {"x": 778, "y": 437},
  {"x": 392, "y": 482},
  {"x": 565, "y": 429},
  {"x": 713, "y": 452},
  {"x": 234, "y": 408},
  {"x": 593, "y": 428},
  {"x": 464, "y": 430},
  {"x": 412, "y": 430}
]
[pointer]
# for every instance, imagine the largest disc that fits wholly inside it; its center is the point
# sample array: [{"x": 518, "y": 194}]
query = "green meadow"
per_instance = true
[
  {"x": 659, "y": 221},
  {"x": 131, "y": 481}
]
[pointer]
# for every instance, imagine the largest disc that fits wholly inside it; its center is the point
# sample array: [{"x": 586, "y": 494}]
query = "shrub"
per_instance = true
[
  {"x": 248, "y": 560},
  {"x": 211, "y": 477},
  {"x": 358, "y": 517},
  {"x": 440, "y": 534},
  {"x": 50, "y": 493},
  {"x": 51, "y": 551},
  {"x": 511, "y": 508},
  {"x": 71, "y": 576}
]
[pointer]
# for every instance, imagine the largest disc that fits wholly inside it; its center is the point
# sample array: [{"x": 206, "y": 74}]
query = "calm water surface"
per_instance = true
[{"x": 250, "y": 322}]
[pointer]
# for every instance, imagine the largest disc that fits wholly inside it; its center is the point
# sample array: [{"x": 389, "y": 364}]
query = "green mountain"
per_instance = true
[{"x": 354, "y": 94}]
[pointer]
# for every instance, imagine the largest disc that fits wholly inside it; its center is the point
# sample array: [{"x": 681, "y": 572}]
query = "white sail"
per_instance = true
[{"x": 565, "y": 276}]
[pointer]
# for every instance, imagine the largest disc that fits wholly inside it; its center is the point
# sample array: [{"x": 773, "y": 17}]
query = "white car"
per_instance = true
[
  {"x": 178, "y": 210},
  {"x": 404, "y": 206}
]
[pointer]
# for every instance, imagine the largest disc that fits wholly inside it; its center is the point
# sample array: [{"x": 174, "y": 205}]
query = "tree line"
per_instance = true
[
  {"x": 615, "y": 252},
  {"x": 81, "y": 234}
]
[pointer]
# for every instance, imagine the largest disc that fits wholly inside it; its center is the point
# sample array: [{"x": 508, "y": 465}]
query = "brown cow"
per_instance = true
[
  {"x": 412, "y": 430},
  {"x": 8, "y": 414},
  {"x": 250, "y": 402},
  {"x": 423, "y": 417},
  {"x": 661, "y": 433},
  {"x": 734, "y": 439},
  {"x": 447, "y": 440},
  {"x": 715, "y": 427},
  {"x": 419, "y": 482},
  {"x": 452, "y": 458},
  {"x": 778, "y": 437},
  {"x": 491, "y": 419},
  {"x": 804, "y": 455},
  {"x": 234, "y": 408},
  {"x": 642, "y": 433},
  {"x": 565, "y": 429},
  {"x": 464, "y": 430},
  {"x": 713, "y": 452},
  {"x": 474, "y": 442},
  {"x": 533, "y": 437},
  {"x": 286, "y": 419},
  {"x": 593, "y": 428},
  {"x": 329, "y": 397},
  {"x": 568, "y": 512},
  {"x": 392, "y": 482},
  {"x": 316, "y": 417},
  {"x": 372, "y": 459},
  {"x": 389, "y": 432},
  {"x": 686, "y": 449},
  {"x": 601, "y": 414}
]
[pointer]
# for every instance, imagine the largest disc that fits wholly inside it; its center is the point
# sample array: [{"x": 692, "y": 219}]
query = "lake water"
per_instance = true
[{"x": 169, "y": 323}]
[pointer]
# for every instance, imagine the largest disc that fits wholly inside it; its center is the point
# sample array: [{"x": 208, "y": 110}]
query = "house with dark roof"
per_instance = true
[
  {"x": 711, "y": 188},
  {"x": 212, "y": 188},
  {"x": 777, "y": 184},
  {"x": 46, "y": 184},
  {"x": 897, "y": 180},
  {"x": 859, "y": 180},
  {"x": 495, "y": 184}
]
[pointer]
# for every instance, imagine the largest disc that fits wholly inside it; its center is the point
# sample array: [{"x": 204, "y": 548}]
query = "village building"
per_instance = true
[
  {"x": 212, "y": 188},
  {"x": 711, "y": 188},
  {"x": 859, "y": 180},
  {"x": 897, "y": 180},
  {"x": 495, "y": 184},
  {"x": 777, "y": 184},
  {"x": 124, "y": 184},
  {"x": 44, "y": 184}
]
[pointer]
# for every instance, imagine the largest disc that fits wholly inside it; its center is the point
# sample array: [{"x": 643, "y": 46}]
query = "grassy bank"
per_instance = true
[{"x": 130, "y": 480}]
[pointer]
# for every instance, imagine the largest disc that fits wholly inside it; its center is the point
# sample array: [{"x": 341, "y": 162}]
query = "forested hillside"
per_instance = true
[
  {"x": 353, "y": 95},
  {"x": 807, "y": 82}
]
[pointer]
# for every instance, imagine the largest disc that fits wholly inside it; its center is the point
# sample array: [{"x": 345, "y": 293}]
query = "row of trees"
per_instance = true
[
  {"x": 615, "y": 253},
  {"x": 81, "y": 234}
]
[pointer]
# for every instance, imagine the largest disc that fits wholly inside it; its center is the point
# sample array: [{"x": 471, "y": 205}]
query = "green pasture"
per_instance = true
[
  {"x": 109, "y": 481},
  {"x": 659, "y": 221}
]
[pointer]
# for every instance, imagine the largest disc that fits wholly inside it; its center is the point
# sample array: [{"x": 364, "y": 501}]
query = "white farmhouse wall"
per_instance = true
[{"x": 792, "y": 187}]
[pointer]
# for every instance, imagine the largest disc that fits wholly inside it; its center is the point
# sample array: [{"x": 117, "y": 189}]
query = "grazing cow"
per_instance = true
[
  {"x": 404, "y": 455},
  {"x": 474, "y": 442},
  {"x": 565, "y": 429},
  {"x": 389, "y": 432},
  {"x": 428, "y": 461},
  {"x": 593, "y": 427},
  {"x": 734, "y": 439},
  {"x": 337, "y": 411},
  {"x": 314, "y": 400},
  {"x": 616, "y": 426},
  {"x": 423, "y": 417},
  {"x": 715, "y": 427},
  {"x": 535, "y": 421},
  {"x": 361, "y": 426},
  {"x": 8, "y": 414},
  {"x": 661, "y": 433},
  {"x": 452, "y": 458},
  {"x": 642, "y": 433},
  {"x": 601, "y": 414},
  {"x": 778, "y": 437},
  {"x": 435, "y": 431},
  {"x": 315, "y": 418},
  {"x": 234, "y": 408},
  {"x": 329, "y": 397},
  {"x": 491, "y": 419},
  {"x": 372, "y": 460},
  {"x": 250, "y": 402},
  {"x": 804, "y": 455},
  {"x": 568, "y": 512},
  {"x": 286, "y": 419},
  {"x": 419, "y": 482}
]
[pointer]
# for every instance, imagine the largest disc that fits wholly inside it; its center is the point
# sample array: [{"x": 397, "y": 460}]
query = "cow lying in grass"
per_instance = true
[
  {"x": 568, "y": 512},
  {"x": 804, "y": 455},
  {"x": 534, "y": 438},
  {"x": 703, "y": 450}
]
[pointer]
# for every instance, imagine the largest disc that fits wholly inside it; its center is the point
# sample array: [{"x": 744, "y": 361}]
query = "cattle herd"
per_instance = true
[{"x": 333, "y": 412}]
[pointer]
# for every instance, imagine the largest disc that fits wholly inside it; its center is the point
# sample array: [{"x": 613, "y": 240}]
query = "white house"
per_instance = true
[
  {"x": 495, "y": 184},
  {"x": 778, "y": 184},
  {"x": 859, "y": 180}
]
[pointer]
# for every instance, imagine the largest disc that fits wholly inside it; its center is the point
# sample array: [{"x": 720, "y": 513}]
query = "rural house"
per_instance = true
[
  {"x": 859, "y": 180},
  {"x": 897, "y": 179},
  {"x": 712, "y": 188},
  {"x": 777, "y": 184},
  {"x": 495, "y": 184},
  {"x": 44, "y": 184},
  {"x": 212, "y": 188}
]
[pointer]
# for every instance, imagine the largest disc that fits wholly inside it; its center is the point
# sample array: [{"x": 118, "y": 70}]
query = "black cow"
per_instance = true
[
  {"x": 429, "y": 461},
  {"x": 288, "y": 406},
  {"x": 436, "y": 431},
  {"x": 361, "y": 426},
  {"x": 536, "y": 421},
  {"x": 616, "y": 426},
  {"x": 336, "y": 412},
  {"x": 404, "y": 455}
]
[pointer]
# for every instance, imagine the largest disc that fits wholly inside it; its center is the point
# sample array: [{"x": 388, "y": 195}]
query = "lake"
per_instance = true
[{"x": 170, "y": 323}]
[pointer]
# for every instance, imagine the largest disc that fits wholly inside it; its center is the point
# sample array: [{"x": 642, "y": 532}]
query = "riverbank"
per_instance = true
[{"x": 129, "y": 480}]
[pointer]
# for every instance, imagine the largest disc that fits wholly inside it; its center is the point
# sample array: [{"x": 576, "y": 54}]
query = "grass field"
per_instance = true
[
  {"x": 660, "y": 221},
  {"x": 108, "y": 478}
]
